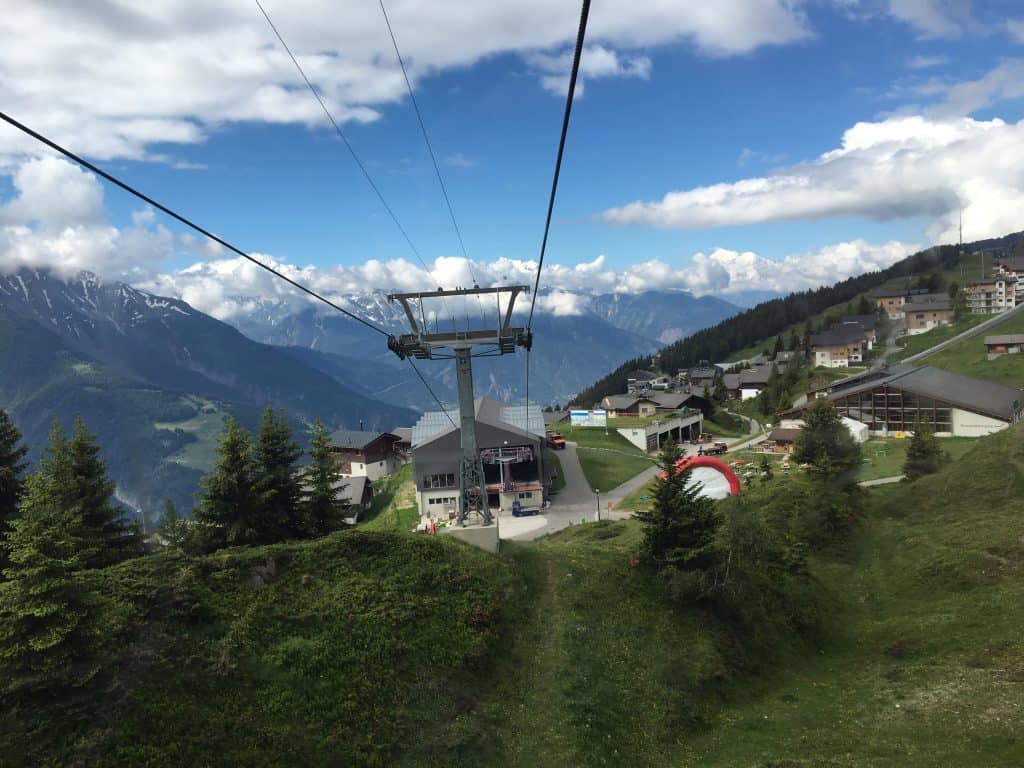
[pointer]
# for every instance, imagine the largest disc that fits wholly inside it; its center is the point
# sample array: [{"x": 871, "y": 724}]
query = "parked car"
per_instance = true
[{"x": 703, "y": 437}]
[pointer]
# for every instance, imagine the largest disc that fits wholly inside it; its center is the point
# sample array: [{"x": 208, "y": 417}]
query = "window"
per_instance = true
[
  {"x": 445, "y": 501},
  {"x": 439, "y": 481},
  {"x": 526, "y": 495}
]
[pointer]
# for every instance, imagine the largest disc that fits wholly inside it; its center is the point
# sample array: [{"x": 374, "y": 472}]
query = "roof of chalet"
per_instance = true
[
  {"x": 671, "y": 400},
  {"x": 624, "y": 402},
  {"x": 553, "y": 417},
  {"x": 783, "y": 434},
  {"x": 970, "y": 394},
  {"x": 525, "y": 421},
  {"x": 928, "y": 306},
  {"x": 838, "y": 336},
  {"x": 357, "y": 439},
  {"x": 758, "y": 375},
  {"x": 1006, "y": 338},
  {"x": 895, "y": 293},
  {"x": 403, "y": 433},
  {"x": 731, "y": 381}
]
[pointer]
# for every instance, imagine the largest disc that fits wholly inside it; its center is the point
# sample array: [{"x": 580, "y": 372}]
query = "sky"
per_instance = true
[{"x": 719, "y": 148}]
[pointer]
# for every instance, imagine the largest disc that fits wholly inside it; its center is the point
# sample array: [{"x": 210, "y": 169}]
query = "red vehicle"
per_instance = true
[
  {"x": 712, "y": 450},
  {"x": 703, "y": 437}
]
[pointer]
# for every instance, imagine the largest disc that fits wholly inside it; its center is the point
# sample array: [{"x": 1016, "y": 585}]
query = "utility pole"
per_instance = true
[{"x": 502, "y": 339}]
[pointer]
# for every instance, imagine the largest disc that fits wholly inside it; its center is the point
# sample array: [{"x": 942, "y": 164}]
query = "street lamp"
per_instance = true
[{"x": 598, "y": 492}]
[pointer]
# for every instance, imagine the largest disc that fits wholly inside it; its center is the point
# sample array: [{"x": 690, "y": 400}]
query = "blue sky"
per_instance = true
[{"x": 735, "y": 116}]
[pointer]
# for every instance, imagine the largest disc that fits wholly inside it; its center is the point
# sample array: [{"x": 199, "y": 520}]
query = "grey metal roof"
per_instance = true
[
  {"x": 731, "y": 381},
  {"x": 669, "y": 399},
  {"x": 1006, "y": 338},
  {"x": 758, "y": 375},
  {"x": 896, "y": 293},
  {"x": 784, "y": 434},
  {"x": 354, "y": 438},
  {"x": 403, "y": 433},
  {"x": 641, "y": 375},
  {"x": 970, "y": 394},
  {"x": 867, "y": 321},
  {"x": 529, "y": 422}
]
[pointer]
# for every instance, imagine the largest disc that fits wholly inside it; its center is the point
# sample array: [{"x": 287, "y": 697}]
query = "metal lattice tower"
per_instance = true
[{"x": 458, "y": 345}]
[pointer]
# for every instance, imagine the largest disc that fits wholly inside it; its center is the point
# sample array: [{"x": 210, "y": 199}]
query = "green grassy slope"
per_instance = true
[
  {"x": 927, "y": 664},
  {"x": 405, "y": 650},
  {"x": 969, "y": 357}
]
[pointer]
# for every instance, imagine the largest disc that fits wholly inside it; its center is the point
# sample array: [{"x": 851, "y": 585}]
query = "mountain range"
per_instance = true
[{"x": 155, "y": 378}]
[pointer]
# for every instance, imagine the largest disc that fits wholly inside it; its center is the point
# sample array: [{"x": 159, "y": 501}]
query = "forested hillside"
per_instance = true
[{"x": 766, "y": 320}]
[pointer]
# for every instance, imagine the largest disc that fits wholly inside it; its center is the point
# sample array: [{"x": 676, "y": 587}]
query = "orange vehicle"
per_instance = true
[{"x": 556, "y": 441}]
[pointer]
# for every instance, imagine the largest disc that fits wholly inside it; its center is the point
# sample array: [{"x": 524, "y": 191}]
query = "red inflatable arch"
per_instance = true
[{"x": 691, "y": 462}]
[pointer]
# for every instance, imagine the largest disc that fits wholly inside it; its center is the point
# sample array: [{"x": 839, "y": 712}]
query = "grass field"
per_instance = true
[
  {"x": 380, "y": 649},
  {"x": 969, "y": 357},
  {"x": 393, "y": 507},
  {"x": 719, "y": 427},
  {"x": 607, "y": 460},
  {"x": 885, "y": 457},
  {"x": 207, "y": 426},
  {"x": 911, "y": 345}
]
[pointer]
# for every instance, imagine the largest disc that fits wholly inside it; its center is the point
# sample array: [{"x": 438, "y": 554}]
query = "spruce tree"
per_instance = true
[
  {"x": 92, "y": 489},
  {"x": 228, "y": 506},
  {"x": 277, "y": 483},
  {"x": 46, "y": 639},
  {"x": 172, "y": 528},
  {"x": 12, "y": 469},
  {"x": 679, "y": 528},
  {"x": 321, "y": 506},
  {"x": 825, "y": 443},
  {"x": 924, "y": 454}
]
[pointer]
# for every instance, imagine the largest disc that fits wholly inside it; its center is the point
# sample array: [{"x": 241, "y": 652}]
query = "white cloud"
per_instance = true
[
  {"x": 1002, "y": 83},
  {"x": 926, "y": 62},
  {"x": 896, "y": 168},
  {"x": 56, "y": 220},
  {"x": 110, "y": 79},
  {"x": 459, "y": 160},
  {"x": 1016, "y": 29},
  {"x": 597, "y": 61},
  {"x": 934, "y": 18}
]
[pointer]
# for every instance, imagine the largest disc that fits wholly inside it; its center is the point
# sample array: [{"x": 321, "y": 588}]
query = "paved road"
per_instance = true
[{"x": 881, "y": 481}]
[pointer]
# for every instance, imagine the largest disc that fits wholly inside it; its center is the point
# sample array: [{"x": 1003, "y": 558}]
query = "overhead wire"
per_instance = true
[
  {"x": 347, "y": 143},
  {"x": 182, "y": 219},
  {"x": 430, "y": 150},
  {"x": 577, "y": 55}
]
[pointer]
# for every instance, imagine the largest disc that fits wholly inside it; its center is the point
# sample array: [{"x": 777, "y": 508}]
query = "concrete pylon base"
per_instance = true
[{"x": 484, "y": 537}]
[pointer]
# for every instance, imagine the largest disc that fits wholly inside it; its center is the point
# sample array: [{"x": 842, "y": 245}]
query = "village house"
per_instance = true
[
  {"x": 367, "y": 454},
  {"x": 838, "y": 347},
  {"x": 511, "y": 443},
  {"x": 891, "y": 301},
  {"x": 1011, "y": 268},
  {"x": 921, "y": 317},
  {"x": 1005, "y": 344},
  {"x": 753, "y": 380},
  {"x": 781, "y": 440},
  {"x": 618, "y": 406},
  {"x": 991, "y": 295},
  {"x": 868, "y": 325}
]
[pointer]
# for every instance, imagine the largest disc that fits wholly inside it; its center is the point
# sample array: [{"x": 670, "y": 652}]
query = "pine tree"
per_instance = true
[
  {"x": 323, "y": 510},
  {"x": 778, "y": 347},
  {"x": 45, "y": 637},
  {"x": 277, "y": 484},
  {"x": 172, "y": 528},
  {"x": 825, "y": 443},
  {"x": 864, "y": 306},
  {"x": 924, "y": 454},
  {"x": 679, "y": 528},
  {"x": 12, "y": 468},
  {"x": 92, "y": 489},
  {"x": 228, "y": 505}
]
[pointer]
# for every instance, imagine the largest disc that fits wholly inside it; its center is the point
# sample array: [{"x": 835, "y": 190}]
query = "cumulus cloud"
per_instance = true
[
  {"x": 597, "y": 61},
  {"x": 926, "y": 62},
  {"x": 896, "y": 168},
  {"x": 110, "y": 79},
  {"x": 1016, "y": 29},
  {"x": 934, "y": 18},
  {"x": 56, "y": 220}
]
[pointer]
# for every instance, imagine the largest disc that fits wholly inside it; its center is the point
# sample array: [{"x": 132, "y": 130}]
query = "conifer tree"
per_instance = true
[
  {"x": 172, "y": 528},
  {"x": 45, "y": 636},
  {"x": 228, "y": 505},
  {"x": 322, "y": 508},
  {"x": 924, "y": 454},
  {"x": 277, "y": 483},
  {"x": 825, "y": 443},
  {"x": 92, "y": 490},
  {"x": 679, "y": 528},
  {"x": 12, "y": 468}
]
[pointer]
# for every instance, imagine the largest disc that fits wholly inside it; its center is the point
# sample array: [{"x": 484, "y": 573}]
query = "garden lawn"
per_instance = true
[
  {"x": 970, "y": 357},
  {"x": 919, "y": 342},
  {"x": 884, "y": 457}
]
